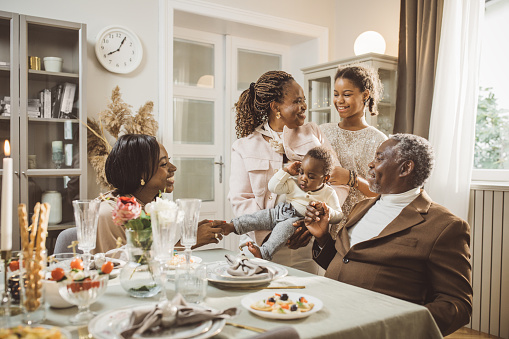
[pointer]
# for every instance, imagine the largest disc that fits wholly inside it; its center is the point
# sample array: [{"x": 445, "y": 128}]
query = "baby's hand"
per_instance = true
[
  {"x": 319, "y": 207},
  {"x": 293, "y": 168}
]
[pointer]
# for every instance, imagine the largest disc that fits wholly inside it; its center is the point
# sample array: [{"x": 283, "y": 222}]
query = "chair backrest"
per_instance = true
[{"x": 65, "y": 239}]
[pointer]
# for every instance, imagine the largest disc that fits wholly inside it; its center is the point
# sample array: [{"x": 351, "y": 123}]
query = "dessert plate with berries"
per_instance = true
[{"x": 282, "y": 304}]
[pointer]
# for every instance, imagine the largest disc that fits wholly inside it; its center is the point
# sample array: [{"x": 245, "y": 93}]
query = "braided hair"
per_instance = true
[
  {"x": 253, "y": 107},
  {"x": 364, "y": 78}
]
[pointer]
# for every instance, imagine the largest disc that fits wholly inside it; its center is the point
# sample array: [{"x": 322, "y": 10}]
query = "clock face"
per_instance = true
[{"x": 118, "y": 49}]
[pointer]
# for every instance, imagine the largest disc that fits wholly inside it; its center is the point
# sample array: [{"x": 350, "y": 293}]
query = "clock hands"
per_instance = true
[{"x": 118, "y": 49}]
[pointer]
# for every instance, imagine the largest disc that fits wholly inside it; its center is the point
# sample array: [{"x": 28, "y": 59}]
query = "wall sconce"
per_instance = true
[
  {"x": 206, "y": 81},
  {"x": 369, "y": 42}
]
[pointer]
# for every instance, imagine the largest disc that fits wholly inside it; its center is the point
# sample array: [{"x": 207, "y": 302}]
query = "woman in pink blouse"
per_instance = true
[{"x": 271, "y": 128}]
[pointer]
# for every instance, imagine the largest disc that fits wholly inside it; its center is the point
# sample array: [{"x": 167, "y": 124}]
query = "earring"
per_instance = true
[
  {"x": 142, "y": 182},
  {"x": 278, "y": 115}
]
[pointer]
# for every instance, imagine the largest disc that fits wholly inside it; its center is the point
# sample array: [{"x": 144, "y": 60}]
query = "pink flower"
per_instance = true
[{"x": 125, "y": 210}]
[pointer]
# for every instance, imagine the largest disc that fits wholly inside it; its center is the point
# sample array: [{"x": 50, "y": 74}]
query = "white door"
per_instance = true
[
  {"x": 248, "y": 60},
  {"x": 198, "y": 120}
]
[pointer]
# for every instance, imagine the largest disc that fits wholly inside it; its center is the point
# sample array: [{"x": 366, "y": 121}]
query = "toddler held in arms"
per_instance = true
[{"x": 311, "y": 185}]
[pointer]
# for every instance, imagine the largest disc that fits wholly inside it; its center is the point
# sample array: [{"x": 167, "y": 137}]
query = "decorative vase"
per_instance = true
[
  {"x": 137, "y": 276},
  {"x": 53, "y": 198}
]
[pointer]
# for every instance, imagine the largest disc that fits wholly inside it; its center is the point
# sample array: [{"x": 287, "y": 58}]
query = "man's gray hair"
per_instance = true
[{"x": 419, "y": 150}]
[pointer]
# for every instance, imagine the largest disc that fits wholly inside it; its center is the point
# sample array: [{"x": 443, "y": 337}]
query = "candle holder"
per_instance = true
[{"x": 5, "y": 302}]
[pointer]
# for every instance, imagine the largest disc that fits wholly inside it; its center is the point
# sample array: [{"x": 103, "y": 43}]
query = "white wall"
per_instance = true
[
  {"x": 355, "y": 17},
  {"x": 142, "y": 17}
]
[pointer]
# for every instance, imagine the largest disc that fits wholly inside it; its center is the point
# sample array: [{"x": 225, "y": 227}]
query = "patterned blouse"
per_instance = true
[{"x": 355, "y": 150}]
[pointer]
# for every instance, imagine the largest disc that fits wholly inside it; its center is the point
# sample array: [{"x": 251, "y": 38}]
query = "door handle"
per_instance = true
[{"x": 220, "y": 163}]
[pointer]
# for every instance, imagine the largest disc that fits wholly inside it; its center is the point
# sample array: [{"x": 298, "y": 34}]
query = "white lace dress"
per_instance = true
[{"x": 355, "y": 150}]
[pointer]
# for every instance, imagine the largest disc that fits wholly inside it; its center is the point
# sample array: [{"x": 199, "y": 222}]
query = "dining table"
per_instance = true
[{"x": 347, "y": 312}]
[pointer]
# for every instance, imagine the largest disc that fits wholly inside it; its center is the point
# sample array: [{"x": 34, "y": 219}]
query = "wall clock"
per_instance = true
[{"x": 118, "y": 49}]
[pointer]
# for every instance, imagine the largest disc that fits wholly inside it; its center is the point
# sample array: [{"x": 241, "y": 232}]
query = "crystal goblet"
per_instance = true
[
  {"x": 86, "y": 214},
  {"x": 189, "y": 224},
  {"x": 164, "y": 234},
  {"x": 83, "y": 293}
]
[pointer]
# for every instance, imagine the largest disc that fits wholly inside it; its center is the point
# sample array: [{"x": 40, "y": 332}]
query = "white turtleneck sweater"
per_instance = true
[{"x": 383, "y": 212}]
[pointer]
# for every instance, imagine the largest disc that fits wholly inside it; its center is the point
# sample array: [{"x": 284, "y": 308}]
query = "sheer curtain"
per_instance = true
[{"x": 452, "y": 125}]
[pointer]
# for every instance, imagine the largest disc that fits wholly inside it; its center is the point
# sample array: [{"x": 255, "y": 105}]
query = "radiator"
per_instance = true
[{"x": 489, "y": 221}]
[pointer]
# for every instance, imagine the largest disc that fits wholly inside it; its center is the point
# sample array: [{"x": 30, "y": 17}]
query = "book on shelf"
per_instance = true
[
  {"x": 56, "y": 100},
  {"x": 69, "y": 91},
  {"x": 47, "y": 103}
]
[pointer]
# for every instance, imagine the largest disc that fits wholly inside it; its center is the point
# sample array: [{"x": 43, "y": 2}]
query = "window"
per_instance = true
[{"x": 491, "y": 154}]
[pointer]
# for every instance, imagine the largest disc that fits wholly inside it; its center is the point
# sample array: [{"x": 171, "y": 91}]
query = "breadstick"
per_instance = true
[
  {"x": 33, "y": 233},
  {"x": 23, "y": 225}
]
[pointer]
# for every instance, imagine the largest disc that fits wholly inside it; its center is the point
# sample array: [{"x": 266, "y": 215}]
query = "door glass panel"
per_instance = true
[
  {"x": 252, "y": 64},
  {"x": 193, "y": 63},
  {"x": 319, "y": 99},
  {"x": 193, "y": 121},
  {"x": 59, "y": 192},
  {"x": 194, "y": 178},
  {"x": 53, "y": 143}
]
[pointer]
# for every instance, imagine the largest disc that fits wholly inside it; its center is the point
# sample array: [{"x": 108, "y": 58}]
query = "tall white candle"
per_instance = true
[{"x": 7, "y": 197}]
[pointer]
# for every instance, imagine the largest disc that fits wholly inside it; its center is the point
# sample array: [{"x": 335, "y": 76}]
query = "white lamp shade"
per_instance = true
[{"x": 369, "y": 42}]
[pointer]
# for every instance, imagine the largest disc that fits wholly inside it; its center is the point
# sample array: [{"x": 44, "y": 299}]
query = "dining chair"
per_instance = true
[{"x": 64, "y": 241}]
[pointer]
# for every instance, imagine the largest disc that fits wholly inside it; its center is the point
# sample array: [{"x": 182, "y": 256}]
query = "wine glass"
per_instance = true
[
  {"x": 164, "y": 234},
  {"x": 189, "y": 224},
  {"x": 83, "y": 293},
  {"x": 86, "y": 213}
]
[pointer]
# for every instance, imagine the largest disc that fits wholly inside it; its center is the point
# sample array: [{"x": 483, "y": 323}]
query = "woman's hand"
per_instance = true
[
  {"x": 339, "y": 176},
  {"x": 300, "y": 237},
  {"x": 293, "y": 168},
  {"x": 209, "y": 232}
]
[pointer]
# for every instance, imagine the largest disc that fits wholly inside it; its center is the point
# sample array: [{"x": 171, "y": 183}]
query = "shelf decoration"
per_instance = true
[{"x": 117, "y": 119}]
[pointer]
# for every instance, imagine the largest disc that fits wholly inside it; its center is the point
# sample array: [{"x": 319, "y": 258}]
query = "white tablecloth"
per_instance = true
[{"x": 348, "y": 312}]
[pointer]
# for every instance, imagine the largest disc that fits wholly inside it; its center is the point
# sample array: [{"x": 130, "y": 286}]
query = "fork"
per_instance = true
[{"x": 251, "y": 328}]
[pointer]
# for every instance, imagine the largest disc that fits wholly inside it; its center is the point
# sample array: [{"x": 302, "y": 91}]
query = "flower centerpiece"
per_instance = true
[{"x": 137, "y": 276}]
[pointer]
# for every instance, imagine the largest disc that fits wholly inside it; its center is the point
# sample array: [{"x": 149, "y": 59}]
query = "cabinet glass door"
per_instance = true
[
  {"x": 51, "y": 135},
  {"x": 6, "y": 109},
  {"x": 319, "y": 100},
  {"x": 387, "y": 105}
]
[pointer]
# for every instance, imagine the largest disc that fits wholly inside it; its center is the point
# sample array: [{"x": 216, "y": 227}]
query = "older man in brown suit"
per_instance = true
[{"x": 402, "y": 243}]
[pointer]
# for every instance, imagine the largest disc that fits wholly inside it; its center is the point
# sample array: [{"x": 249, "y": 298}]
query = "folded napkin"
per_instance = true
[
  {"x": 242, "y": 266},
  {"x": 169, "y": 314}
]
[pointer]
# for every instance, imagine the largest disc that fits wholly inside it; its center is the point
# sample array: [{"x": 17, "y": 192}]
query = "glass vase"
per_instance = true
[
  {"x": 32, "y": 298},
  {"x": 137, "y": 276}
]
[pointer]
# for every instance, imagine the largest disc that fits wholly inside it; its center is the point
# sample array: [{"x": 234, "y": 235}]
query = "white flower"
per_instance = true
[{"x": 166, "y": 210}]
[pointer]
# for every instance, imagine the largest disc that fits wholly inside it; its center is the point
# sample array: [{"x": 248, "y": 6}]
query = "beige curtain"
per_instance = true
[{"x": 419, "y": 33}]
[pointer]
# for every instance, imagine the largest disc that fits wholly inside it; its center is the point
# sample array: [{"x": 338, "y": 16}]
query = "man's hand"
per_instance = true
[
  {"x": 300, "y": 237},
  {"x": 317, "y": 225}
]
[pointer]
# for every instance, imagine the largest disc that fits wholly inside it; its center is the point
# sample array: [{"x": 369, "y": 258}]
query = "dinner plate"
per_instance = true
[
  {"x": 279, "y": 272},
  {"x": 180, "y": 259},
  {"x": 66, "y": 265},
  {"x": 109, "y": 324},
  {"x": 222, "y": 271},
  {"x": 250, "y": 299},
  {"x": 65, "y": 333}
]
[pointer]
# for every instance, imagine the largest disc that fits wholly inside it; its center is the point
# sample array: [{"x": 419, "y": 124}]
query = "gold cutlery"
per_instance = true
[
  {"x": 267, "y": 287},
  {"x": 251, "y": 328}
]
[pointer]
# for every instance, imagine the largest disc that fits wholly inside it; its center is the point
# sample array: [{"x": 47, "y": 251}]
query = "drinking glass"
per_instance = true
[
  {"x": 189, "y": 224},
  {"x": 191, "y": 282},
  {"x": 83, "y": 293},
  {"x": 86, "y": 213},
  {"x": 164, "y": 231}
]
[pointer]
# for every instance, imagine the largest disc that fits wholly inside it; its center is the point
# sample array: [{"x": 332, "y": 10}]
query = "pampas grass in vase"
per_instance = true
[{"x": 117, "y": 119}]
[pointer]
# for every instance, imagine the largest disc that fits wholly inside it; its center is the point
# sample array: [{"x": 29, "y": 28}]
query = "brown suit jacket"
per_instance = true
[{"x": 422, "y": 256}]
